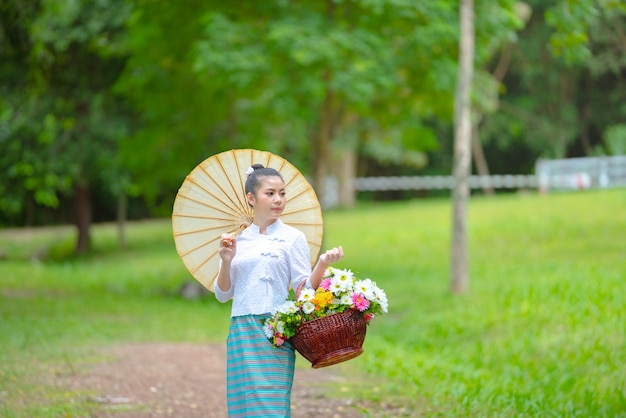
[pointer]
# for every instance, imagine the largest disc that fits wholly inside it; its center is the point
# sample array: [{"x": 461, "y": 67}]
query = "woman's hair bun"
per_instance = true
[{"x": 252, "y": 168}]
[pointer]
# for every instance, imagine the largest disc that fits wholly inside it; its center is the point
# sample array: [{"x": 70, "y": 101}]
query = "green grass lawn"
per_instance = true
[{"x": 541, "y": 331}]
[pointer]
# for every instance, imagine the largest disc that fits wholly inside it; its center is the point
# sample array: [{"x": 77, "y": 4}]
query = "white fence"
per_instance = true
[
  {"x": 581, "y": 173},
  {"x": 443, "y": 182},
  {"x": 571, "y": 173}
]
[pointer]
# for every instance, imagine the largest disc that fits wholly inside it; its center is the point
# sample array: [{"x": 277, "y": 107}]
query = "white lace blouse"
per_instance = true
[{"x": 264, "y": 267}]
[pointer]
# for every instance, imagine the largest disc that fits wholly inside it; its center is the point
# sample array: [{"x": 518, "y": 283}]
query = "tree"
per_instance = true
[
  {"x": 335, "y": 87},
  {"x": 565, "y": 84},
  {"x": 317, "y": 82},
  {"x": 339, "y": 75},
  {"x": 60, "y": 122},
  {"x": 486, "y": 104},
  {"x": 462, "y": 149},
  {"x": 182, "y": 115},
  {"x": 300, "y": 79}
]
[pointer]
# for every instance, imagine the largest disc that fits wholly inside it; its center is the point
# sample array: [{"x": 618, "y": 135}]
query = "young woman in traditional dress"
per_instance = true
[{"x": 257, "y": 269}]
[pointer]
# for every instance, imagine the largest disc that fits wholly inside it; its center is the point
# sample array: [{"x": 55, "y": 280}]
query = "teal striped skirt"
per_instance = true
[{"x": 258, "y": 375}]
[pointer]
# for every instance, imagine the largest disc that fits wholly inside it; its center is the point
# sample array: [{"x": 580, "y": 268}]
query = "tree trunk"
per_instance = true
[
  {"x": 346, "y": 173},
  {"x": 321, "y": 142},
  {"x": 83, "y": 214},
  {"x": 479, "y": 158},
  {"x": 320, "y": 147},
  {"x": 122, "y": 205},
  {"x": 459, "y": 279}
]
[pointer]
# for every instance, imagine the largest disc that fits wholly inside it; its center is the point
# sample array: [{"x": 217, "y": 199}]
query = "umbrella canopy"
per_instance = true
[{"x": 212, "y": 201}]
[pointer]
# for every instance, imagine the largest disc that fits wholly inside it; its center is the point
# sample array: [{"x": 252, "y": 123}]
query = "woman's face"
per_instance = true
[{"x": 269, "y": 200}]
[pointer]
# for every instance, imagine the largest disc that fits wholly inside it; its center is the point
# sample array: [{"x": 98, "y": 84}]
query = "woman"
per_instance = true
[{"x": 257, "y": 269}]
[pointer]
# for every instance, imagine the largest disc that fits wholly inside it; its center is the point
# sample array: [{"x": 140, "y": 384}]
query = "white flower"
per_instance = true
[
  {"x": 381, "y": 298},
  {"x": 366, "y": 288},
  {"x": 306, "y": 294},
  {"x": 346, "y": 299},
  {"x": 344, "y": 276},
  {"x": 308, "y": 307},
  {"x": 342, "y": 281},
  {"x": 287, "y": 307},
  {"x": 280, "y": 327},
  {"x": 336, "y": 287},
  {"x": 267, "y": 330}
]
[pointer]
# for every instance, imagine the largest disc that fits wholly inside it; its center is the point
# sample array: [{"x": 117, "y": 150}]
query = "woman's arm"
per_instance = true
[
  {"x": 227, "y": 251},
  {"x": 223, "y": 278},
  {"x": 329, "y": 257}
]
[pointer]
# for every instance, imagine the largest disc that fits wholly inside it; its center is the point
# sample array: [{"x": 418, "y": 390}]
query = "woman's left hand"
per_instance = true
[{"x": 332, "y": 256}]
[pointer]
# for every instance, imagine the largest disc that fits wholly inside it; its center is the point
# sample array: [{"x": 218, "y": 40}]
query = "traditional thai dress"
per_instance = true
[{"x": 259, "y": 376}]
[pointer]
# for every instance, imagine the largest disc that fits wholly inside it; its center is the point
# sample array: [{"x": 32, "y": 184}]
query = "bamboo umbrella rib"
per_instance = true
[
  {"x": 213, "y": 195},
  {"x": 236, "y": 206},
  {"x": 288, "y": 183},
  {"x": 295, "y": 211},
  {"x": 317, "y": 247},
  {"x": 239, "y": 170},
  {"x": 197, "y": 231},
  {"x": 205, "y": 204},
  {"x": 203, "y": 263},
  {"x": 314, "y": 244},
  {"x": 238, "y": 202},
  {"x": 197, "y": 247},
  {"x": 268, "y": 163},
  {"x": 202, "y": 217},
  {"x": 281, "y": 166},
  {"x": 234, "y": 201},
  {"x": 302, "y": 192},
  {"x": 200, "y": 186},
  {"x": 296, "y": 224},
  {"x": 268, "y": 159}
]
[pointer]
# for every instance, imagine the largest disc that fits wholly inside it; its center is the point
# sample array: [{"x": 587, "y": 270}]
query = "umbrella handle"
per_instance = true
[{"x": 227, "y": 241}]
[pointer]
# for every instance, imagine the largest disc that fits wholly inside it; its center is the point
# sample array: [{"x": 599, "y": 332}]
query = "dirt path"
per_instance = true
[{"x": 188, "y": 381}]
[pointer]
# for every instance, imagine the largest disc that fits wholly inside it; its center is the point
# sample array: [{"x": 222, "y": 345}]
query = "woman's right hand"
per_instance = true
[{"x": 228, "y": 247}]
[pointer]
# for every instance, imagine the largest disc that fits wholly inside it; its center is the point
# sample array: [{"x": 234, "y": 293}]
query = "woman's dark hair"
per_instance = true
[{"x": 254, "y": 178}]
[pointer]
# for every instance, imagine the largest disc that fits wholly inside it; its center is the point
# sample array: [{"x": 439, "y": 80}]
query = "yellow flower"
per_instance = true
[{"x": 324, "y": 298}]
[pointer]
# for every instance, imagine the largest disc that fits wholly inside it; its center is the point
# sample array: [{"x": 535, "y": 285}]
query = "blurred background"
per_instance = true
[{"x": 106, "y": 105}]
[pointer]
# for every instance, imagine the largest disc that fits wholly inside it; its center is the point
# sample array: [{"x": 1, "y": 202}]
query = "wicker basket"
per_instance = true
[{"x": 332, "y": 339}]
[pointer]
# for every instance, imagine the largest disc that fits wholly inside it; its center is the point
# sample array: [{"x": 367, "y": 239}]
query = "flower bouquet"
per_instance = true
[{"x": 328, "y": 325}]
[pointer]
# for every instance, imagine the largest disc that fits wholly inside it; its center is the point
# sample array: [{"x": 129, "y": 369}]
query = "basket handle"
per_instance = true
[{"x": 299, "y": 288}]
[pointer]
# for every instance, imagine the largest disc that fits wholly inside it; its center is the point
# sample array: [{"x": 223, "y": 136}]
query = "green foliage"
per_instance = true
[
  {"x": 541, "y": 332},
  {"x": 616, "y": 139},
  {"x": 182, "y": 118},
  {"x": 570, "y": 19},
  {"x": 389, "y": 67},
  {"x": 574, "y": 21},
  {"x": 60, "y": 124},
  {"x": 558, "y": 100},
  {"x": 128, "y": 96}
]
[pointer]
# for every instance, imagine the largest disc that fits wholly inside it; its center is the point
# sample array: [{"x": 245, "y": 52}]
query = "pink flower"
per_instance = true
[
  {"x": 278, "y": 341},
  {"x": 368, "y": 317},
  {"x": 325, "y": 284},
  {"x": 359, "y": 302}
]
